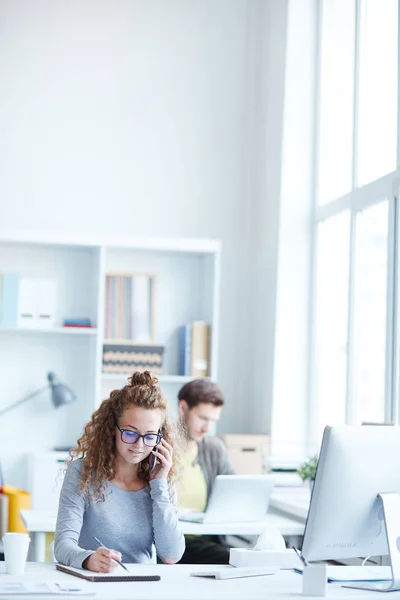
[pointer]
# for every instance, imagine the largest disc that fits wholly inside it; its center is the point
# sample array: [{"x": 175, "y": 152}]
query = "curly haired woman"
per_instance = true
[{"x": 118, "y": 488}]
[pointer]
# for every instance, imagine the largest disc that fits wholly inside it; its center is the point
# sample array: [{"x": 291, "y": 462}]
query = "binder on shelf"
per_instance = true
[
  {"x": 200, "y": 349},
  {"x": 9, "y": 299},
  {"x": 37, "y": 302}
]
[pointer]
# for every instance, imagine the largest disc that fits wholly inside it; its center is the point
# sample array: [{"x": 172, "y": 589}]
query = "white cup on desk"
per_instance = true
[{"x": 15, "y": 552}]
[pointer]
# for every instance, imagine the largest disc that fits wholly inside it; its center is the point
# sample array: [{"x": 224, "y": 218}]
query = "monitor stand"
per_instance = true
[{"x": 391, "y": 513}]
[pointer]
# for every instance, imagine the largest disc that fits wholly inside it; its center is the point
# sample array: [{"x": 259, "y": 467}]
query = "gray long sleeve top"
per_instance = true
[{"x": 130, "y": 522}]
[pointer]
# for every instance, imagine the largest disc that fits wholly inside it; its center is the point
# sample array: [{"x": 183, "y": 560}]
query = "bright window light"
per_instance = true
[
  {"x": 370, "y": 302},
  {"x": 336, "y": 106},
  {"x": 377, "y": 105},
  {"x": 333, "y": 247}
]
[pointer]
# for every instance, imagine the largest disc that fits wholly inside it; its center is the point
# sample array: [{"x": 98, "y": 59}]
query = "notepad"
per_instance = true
[
  {"x": 92, "y": 576},
  {"x": 236, "y": 572},
  {"x": 343, "y": 573},
  {"x": 26, "y": 588}
]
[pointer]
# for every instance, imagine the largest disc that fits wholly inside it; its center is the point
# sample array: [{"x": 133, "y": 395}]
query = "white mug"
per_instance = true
[{"x": 15, "y": 552}]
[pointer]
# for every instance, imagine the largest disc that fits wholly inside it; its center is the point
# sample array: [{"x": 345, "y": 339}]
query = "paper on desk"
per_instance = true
[{"x": 19, "y": 588}]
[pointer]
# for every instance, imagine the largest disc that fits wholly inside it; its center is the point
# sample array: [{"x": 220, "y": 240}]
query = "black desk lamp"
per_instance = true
[{"x": 60, "y": 394}]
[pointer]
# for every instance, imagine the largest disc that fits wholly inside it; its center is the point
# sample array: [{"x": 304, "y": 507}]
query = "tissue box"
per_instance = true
[{"x": 285, "y": 559}]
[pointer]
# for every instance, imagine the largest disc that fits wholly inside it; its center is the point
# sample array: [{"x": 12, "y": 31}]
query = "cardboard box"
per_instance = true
[{"x": 248, "y": 453}]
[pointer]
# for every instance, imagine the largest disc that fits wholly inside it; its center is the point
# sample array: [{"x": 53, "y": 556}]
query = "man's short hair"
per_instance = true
[{"x": 201, "y": 391}]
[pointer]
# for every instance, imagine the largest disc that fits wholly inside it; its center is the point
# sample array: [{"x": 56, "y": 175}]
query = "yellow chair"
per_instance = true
[{"x": 17, "y": 500}]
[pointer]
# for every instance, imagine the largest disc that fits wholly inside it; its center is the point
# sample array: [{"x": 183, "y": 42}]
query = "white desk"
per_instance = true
[
  {"x": 176, "y": 584},
  {"x": 38, "y": 522}
]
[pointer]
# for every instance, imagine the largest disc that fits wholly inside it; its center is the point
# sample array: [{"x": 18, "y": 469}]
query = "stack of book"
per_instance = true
[
  {"x": 194, "y": 349},
  {"x": 84, "y": 322}
]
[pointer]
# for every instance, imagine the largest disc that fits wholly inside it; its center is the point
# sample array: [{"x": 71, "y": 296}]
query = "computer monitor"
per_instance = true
[{"x": 346, "y": 518}]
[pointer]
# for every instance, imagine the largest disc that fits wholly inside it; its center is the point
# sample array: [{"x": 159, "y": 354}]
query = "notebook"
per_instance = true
[
  {"x": 91, "y": 576},
  {"x": 341, "y": 573}
]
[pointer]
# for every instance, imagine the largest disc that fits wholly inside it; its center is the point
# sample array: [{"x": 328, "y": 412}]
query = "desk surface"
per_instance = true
[
  {"x": 176, "y": 584},
  {"x": 45, "y": 520}
]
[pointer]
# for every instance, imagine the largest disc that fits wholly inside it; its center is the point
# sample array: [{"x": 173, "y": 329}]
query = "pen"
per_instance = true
[
  {"x": 116, "y": 560},
  {"x": 301, "y": 557}
]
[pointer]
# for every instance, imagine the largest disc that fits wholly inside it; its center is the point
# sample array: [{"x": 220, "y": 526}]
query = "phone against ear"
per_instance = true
[
  {"x": 154, "y": 461},
  {"x": 153, "y": 466}
]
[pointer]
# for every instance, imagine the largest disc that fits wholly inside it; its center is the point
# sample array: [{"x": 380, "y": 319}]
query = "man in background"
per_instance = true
[{"x": 200, "y": 406}]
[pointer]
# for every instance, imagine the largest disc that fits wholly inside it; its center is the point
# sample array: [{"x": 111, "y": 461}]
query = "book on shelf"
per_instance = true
[
  {"x": 185, "y": 349},
  {"x": 194, "y": 349},
  {"x": 129, "y": 307}
]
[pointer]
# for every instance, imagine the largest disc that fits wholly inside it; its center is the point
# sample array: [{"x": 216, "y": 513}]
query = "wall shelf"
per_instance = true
[
  {"x": 118, "y": 377},
  {"x": 52, "y": 330}
]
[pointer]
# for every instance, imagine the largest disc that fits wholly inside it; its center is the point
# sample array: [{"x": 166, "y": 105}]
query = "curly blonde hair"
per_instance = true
[{"x": 97, "y": 444}]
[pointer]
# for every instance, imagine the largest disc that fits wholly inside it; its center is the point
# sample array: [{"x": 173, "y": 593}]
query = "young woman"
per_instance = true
[{"x": 118, "y": 488}]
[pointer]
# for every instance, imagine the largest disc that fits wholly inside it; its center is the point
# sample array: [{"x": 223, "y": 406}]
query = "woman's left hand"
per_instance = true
[{"x": 164, "y": 454}]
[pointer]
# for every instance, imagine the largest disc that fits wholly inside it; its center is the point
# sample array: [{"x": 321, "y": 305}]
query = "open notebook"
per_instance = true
[
  {"x": 91, "y": 576},
  {"x": 343, "y": 573}
]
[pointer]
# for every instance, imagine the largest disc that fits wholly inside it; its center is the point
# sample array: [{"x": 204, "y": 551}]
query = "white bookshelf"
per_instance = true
[{"x": 187, "y": 273}]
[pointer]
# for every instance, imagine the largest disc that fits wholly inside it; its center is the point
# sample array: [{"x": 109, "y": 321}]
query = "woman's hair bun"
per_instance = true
[{"x": 145, "y": 378}]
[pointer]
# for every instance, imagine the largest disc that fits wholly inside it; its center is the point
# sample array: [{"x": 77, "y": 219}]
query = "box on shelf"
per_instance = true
[
  {"x": 248, "y": 453},
  {"x": 126, "y": 358}
]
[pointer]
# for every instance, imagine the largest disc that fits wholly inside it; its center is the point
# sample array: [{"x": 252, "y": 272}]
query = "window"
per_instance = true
[
  {"x": 377, "y": 106},
  {"x": 332, "y": 320},
  {"x": 355, "y": 206},
  {"x": 336, "y": 100},
  {"x": 370, "y": 302}
]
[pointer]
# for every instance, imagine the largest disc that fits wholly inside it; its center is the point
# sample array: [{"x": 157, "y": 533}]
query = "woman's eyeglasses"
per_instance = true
[{"x": 131, "y": 437}]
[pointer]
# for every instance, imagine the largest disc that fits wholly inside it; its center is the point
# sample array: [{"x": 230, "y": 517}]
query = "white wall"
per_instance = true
[
  {"x": 161, "y": 118},
  {"x": 133, "y": 117}
]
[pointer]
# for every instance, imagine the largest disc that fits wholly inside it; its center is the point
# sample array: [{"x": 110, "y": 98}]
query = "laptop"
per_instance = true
[{"x": 234, "y": 499}]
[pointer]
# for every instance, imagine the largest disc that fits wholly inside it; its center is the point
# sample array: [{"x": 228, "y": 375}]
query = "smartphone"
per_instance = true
[
  {"x": 153, "y": 466},
  {"x": 154, "y": 461}
]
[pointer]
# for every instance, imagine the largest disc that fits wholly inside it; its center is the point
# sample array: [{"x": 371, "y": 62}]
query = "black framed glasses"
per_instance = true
[{"x": 131, "y": 437}]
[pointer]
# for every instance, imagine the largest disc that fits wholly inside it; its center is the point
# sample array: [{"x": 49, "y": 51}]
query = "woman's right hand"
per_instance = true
[{"x": 102, "y": 561}]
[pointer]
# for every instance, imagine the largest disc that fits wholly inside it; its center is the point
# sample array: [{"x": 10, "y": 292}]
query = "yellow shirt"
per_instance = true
[{"x": 192, "y": 487}]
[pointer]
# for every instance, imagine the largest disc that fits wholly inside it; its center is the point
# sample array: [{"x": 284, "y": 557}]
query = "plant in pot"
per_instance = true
[{"x": 308, "y": 469}]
